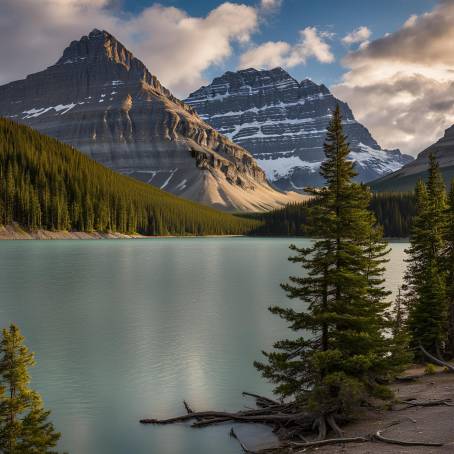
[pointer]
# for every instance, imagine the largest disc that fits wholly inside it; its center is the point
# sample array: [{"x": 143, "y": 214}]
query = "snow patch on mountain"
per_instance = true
[
  {"x": 379, "y": 159},
  {"x": 284, "y": 166},
  {"x": 38, "y": 111}
]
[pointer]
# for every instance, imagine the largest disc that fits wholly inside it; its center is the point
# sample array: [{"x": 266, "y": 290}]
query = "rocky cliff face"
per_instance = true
[
  {"x": 283, "y": 124},
  {"x": 102, "y": 100}
]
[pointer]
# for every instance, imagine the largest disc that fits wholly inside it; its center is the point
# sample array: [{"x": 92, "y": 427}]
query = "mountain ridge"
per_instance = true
[
  {"x": 282, "y": 122},
  {"x": 405, "y": 179},
  {"x": 102, "y": 100}
]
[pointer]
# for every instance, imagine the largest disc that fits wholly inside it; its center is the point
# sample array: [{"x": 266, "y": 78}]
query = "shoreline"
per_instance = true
[
  {"x": 15, "y": 232},
  {"x": 406, "y": 420}
]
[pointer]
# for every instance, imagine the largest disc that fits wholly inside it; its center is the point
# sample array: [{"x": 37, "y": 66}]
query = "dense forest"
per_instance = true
[
  {"x": 45, "y": 184},
  {"x": 394, "y": 211}
]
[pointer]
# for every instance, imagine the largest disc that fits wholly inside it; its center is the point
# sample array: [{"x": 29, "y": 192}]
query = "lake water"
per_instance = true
[{"x": 126, "y": 329}]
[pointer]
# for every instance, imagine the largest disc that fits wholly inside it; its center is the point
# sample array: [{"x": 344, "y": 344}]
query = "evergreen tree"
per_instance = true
[
  {"x": 341, "y": 298},
  {"x": 47, "y": 184},
  {"x": 425, "y": 276},
  {"x": 23, "y": 421},
  {"x": 400, "y": 335},
  {"x": 449, "y": 261},
  {"x": 394, "y": 211}
]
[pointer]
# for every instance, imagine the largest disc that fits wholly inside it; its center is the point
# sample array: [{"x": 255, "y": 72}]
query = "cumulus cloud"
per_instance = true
[
  {"x": 360, "y": 35},
  {"x": 175, "y": 46},
  {"x": 312, "y": 44},
  {"x": 402, "y": 85}
]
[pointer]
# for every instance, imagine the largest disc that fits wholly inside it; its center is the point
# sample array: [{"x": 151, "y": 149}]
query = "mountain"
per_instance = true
[
  {"x": 406, "y": 178},
  {"x": 46, "y": 184},
  {"x": 101, "y": 99},
  {"x": 283, "y": 124}
]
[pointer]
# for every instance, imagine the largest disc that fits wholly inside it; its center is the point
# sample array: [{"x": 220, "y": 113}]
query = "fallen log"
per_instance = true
[
  {"x": 436, "y": 360},
  {"x": 240, "y": 416}
]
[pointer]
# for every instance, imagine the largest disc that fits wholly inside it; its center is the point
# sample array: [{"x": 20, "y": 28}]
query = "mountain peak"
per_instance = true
[
  {"x": 276, "y": 73},
  {"x": 98, "y": 46},
  {"x": 95, "y": 33},
  {"x": 307, "y": 83},
  {"x": 101, "y": 57}
]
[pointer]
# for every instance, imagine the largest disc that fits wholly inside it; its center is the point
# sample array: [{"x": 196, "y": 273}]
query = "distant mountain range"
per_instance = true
[
  {"x": 283, "y": 123},
  {"x": 101, "y": 99},
  {"x": 405, "y": 179}
]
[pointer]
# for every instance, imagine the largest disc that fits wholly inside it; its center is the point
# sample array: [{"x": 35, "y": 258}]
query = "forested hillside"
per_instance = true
[
  {"x": 394, "y": 211},
  {"x": 46, "y": 184}
]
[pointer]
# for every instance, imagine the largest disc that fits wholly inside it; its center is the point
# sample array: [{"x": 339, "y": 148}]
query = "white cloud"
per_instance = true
[
  {"x": 312, "y": 44},
  {"x": 176, "y": 47},
  {"x": 270, "y": 4},
  {"x": 360, "y": 35},
  {"x": 402, "y": 85}
]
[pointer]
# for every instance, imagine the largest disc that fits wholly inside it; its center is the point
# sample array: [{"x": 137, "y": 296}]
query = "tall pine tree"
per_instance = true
[
  {"x": 449, "y": 261},
  {"x": 23, "y": 421},
  {"x": 426, "y": 272},
  {"x": 340, "y": 353}
]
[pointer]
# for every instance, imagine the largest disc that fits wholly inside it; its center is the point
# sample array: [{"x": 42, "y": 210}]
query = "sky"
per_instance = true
[{"x": 391, "y": 60}]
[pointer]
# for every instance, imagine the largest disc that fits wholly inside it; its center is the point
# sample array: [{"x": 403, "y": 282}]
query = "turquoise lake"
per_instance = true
[{"x": 125, "y": 329}]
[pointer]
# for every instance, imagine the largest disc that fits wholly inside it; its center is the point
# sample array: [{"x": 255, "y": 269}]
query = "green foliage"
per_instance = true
[
  {"x": 449, "y": 267},
  {"x": 24, "y": 427},
  {"x": 400, "y": 336},
  {"x": 430, "y": 369},
  {"x": 394, "y": 211},
  {"x": 341, "y": 353},
  {"x": 426, "y": 273},
  {"x": 46, "y": 184}
]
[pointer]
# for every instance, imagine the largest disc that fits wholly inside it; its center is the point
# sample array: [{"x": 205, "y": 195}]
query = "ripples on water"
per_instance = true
[{"x": 128, "y": 329}]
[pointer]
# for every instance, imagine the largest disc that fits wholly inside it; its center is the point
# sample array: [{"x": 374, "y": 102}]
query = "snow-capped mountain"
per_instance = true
[
  {"x": 101, "y": 99},
  {"x": 283, "y": 123}
]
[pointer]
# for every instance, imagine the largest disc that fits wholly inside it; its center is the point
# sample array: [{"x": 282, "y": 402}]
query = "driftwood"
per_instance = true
[
  {"x": 304, "y": 418},
  {"x": 273, "y": 414},
  {"x": 290, "y": 423},
  {"x": 243, "y": 447},
  {"x": 436, "y": 360},
  {"x": 188, "y": 408},
  {"x": 426, "y": 403},
  {"x": 379, "y": 437},
  {"x": 330, "y": 441},
  {"x": 262, "y": 400}
]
